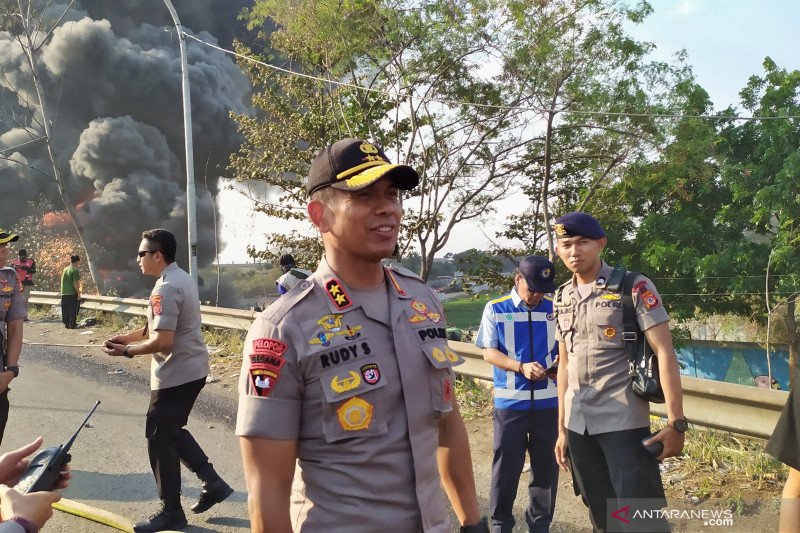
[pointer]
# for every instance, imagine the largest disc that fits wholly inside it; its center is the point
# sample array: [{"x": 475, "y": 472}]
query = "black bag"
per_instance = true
[{"x": 642, "y": 361}]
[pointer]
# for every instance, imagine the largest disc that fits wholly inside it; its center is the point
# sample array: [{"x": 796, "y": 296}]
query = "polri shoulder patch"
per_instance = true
[{"x": 337, "y": 294}]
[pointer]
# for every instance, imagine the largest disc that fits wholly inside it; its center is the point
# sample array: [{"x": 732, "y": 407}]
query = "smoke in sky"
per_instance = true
[{"x": 111, "y": 74}]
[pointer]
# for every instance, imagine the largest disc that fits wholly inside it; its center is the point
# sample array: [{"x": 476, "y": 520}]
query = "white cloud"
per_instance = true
[{"x": 687, "y": 7}]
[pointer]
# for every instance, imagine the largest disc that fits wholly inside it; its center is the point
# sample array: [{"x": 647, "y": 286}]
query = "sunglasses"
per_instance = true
[{"x": 142, "y": 253}]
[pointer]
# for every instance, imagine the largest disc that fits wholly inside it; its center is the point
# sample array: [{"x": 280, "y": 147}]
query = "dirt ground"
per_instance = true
[{"x": 756, "y": 505}]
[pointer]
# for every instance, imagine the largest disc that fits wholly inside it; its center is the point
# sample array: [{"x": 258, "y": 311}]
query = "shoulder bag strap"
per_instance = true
[{"x": 630, "y": 327}]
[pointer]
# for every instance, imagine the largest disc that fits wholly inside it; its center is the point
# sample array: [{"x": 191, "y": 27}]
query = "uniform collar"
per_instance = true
[
  {"x": 602, "y": 276},
  {"x": 169, "y": 268},
  {"x": 519, "y": 302}
]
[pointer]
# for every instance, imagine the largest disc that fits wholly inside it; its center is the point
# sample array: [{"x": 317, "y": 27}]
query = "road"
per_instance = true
[{"x": 52, "y": 396}]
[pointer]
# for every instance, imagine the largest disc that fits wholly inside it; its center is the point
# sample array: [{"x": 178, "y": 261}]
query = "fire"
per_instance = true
[{"x": 55, "y": 219}]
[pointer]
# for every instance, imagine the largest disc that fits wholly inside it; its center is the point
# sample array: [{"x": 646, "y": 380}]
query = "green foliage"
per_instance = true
[
  {"x": 465, "y": 313},
  {"x": 474, "y": 397}
]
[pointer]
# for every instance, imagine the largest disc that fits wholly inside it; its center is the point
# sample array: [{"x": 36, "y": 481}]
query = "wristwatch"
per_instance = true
[
  {"x": 12, "y": 368},
  {"x": 680, "y": 425},
  {"x": 126, "y": 354}
]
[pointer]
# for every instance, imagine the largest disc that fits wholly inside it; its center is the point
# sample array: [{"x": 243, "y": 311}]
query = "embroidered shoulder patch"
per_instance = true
[
  {"x": 266, "y": 362},
  {"x": 155, "y": 303},
  {"x": 337, "y": 294}
]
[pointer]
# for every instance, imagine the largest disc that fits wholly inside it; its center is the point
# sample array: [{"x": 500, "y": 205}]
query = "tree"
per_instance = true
[
  {"x": 408, "y": 67},
  {"x": 25, "y": 27},
  {"x": 762, "y": 170},
  {"x": 595, "y": 91}
]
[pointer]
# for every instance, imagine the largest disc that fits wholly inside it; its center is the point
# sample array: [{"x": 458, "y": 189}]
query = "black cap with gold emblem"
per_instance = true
[{"x": 354, "y": 164}]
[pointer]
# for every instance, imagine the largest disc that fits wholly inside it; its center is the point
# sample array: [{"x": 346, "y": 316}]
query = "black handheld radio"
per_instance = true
[{"x": 44, "y": 469}]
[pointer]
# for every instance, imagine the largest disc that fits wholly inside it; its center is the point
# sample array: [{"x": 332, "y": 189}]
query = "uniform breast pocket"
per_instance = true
[
  {"x": 441, "y": 378},
  {"x": 565, "y": 321},
  {"x": 607, "y": 324},
  {"x": 353, "y": 403}
]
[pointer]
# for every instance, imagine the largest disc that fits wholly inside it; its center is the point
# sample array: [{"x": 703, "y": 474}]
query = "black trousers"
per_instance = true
[
  {"x": 4, "y": 406},
  {"x": 517, "y": 433},
  {"x": 168, "y": 443},
  {"x": 613, "y": 470},
  {"x": 69, "y": 310}
]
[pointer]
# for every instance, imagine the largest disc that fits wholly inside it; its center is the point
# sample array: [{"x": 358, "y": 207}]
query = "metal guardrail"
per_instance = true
[{"x": 751, "y": 411}]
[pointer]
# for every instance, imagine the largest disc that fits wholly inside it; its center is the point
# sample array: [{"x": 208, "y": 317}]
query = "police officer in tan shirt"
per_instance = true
[
  {"x": 349, "y": 376},
  {"x": 178, "y": 370},
  {"x": 602, "y": 422}
]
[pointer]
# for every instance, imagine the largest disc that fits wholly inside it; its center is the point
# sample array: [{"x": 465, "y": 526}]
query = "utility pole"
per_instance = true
[{"x": 191, "y": 212}]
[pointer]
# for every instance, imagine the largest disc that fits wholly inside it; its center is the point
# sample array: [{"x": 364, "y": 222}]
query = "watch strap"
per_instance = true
[
  {"x": 12, "y": 368},
  {"x": 29, "y": 526},
  {"x": 680, "y": 425}
]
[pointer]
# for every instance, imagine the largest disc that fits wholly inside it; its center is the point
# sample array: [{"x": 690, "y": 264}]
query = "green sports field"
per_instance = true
[{"x": 465, "y": 313}]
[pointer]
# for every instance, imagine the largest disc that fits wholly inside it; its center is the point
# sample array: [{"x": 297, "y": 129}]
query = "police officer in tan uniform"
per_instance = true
[
  {"x": 602, "y": 422},
  {"x": 12, "y": 314},
  {"x": 178, "y": 371},
  {"x": 349, "y": 375}
]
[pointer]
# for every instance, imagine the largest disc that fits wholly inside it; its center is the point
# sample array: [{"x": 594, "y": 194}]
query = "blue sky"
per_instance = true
[{"x": 726, "y": 42}]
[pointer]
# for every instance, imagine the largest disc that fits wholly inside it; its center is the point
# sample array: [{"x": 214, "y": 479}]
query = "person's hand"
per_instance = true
[
  {"x": 5, "y": 380},
  {"x": 120, "y": 339},
  {"x": 673, "y": 442},
  {"x": 36, "y": 506},
  {"x": 561, "y": 451},
  {"x": 14, "y": 463},
  {"x": 116, "y": 349},
  {"x": 533, "y": 371}
]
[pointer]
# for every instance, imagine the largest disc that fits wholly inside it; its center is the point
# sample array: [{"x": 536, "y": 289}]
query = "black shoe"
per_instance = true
[
  {"x": 212, "y": 494},
  {"x": 162, "y": 520}
]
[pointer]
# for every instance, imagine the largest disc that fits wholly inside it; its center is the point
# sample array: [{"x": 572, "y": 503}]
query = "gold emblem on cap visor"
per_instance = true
[
  {"x": 560, "y": 229},
  {"x": 368, "y": 148}
]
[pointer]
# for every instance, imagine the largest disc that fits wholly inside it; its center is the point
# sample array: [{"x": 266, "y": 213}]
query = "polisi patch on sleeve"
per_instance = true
[
  {"x": 266, "y": 361},
  {"x": 155, "y": 303},
  {"x": 337, "y": 294}
]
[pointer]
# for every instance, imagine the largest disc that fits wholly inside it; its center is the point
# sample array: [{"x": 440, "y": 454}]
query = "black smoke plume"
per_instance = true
[{"x": 111, "y": 75}]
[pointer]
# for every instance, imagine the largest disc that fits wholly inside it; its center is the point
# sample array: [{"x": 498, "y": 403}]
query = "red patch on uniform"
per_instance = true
[
  {"x": 371, "y": 373},
  {"x": 447, "y": 391},
  {"x": 268, "y": 346},
  {"x": 337, "y": 294},
  {"x": 639, "y": 286},
  {"x": 650, "y": 299},
  {"x": 155, "y": 303},
  {"x": 266, "y": 363}
]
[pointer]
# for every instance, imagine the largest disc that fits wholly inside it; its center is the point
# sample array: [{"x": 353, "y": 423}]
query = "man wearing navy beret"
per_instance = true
[{"x": 602, "y": 422}]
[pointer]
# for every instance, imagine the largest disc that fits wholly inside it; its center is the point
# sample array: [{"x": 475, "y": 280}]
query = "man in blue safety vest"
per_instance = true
[{"x": 517, "y": 335}]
